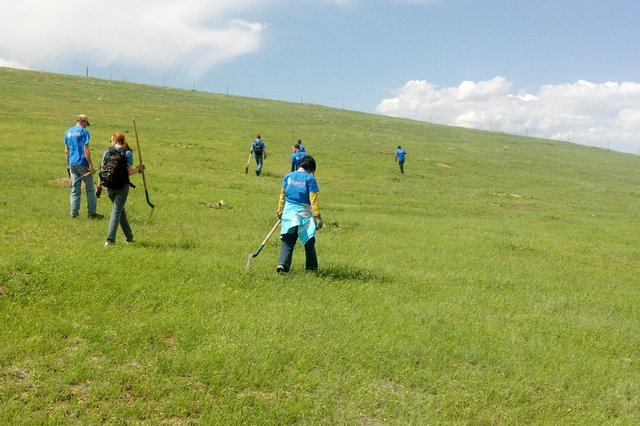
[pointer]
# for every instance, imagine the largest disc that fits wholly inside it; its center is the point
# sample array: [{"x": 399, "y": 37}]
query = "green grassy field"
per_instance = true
[{"x": 496, "y": 282}]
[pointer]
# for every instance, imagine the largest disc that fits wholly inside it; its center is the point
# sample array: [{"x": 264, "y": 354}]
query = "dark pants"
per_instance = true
[
  {"x": 289, "y": 243},
  {"x": 401, "y": 166}
]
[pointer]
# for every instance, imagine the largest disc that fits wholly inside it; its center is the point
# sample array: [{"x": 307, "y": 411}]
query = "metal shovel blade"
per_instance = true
[{"x": 249, "y": 259}]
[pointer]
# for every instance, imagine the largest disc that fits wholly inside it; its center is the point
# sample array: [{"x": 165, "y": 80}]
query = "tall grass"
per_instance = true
[{"x": 496, "y": 282}]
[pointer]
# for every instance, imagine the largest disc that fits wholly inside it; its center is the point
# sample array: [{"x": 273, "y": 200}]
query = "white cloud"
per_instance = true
[
  {"x": 8, "y": 63},
  {"x": 190, "y": 35},
  {"x": 596, "y": 114}
]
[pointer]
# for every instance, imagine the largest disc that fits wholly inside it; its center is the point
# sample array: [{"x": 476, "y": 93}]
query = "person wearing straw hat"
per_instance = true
[{"x": 80, "y": 167}]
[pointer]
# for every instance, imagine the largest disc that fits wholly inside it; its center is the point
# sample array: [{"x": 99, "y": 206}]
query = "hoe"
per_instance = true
[{"x": 252, "y": 255}]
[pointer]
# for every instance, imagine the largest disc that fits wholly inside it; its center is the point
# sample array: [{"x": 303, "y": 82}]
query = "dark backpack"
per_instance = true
[
  {"x": 115, "y": 170},
  {"x": 257, "y": 148}
]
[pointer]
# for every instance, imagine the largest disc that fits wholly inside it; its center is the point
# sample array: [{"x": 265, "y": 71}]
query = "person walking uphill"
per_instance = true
[
  {"x": 80, "y": 167},
  {"x": 400, "y": 155},
  {"x": 296, "y": 157},
  {"x": 259, "y": 150},
  {"x": 117, "y": 166},
  {"x": 298, "y": 209}
]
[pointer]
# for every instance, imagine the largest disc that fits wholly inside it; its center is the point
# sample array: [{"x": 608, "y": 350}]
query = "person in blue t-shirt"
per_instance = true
[
  {"x": 259, "y": 150},
  {"x": 80, "y": 167},
  {"x": 298, "y": 209},
  {"x": 301, "y": 146},
  {"x": 118, "y": 196},
  {"x": 400, "y": 156},
  {"x": 296, "y": 157}
]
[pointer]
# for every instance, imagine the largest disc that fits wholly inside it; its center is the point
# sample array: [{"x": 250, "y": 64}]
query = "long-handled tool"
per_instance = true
[
  {"x": 252, "y": 255},
  {"x": 144, "y": 180},
  {"x": 73, "y": 182},
  {"x": 246, "y": 169}
]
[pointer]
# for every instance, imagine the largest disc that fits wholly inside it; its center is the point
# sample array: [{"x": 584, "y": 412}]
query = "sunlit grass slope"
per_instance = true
[{"x": 496, "y": 282}]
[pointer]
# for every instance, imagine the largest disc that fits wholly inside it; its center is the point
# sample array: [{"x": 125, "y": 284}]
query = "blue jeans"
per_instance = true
[
  {"x": 118, "y": 215},
  {"x": 259, "y": 160},
  {"x": 76, "y": 190}
]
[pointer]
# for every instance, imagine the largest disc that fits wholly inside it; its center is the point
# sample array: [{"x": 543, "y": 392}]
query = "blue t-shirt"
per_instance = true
[
  {"x": 76, "y": 138},
  {"x": 258, "y": 146},
  {"x": 296, "y": 158},
  {"x": 298, "y": 185},
  {"x": 128, "y": 154},
  {"x": 400, "y": 153}
]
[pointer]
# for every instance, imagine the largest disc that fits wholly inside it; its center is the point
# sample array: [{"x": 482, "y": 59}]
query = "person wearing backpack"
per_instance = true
[
  {"x": 117, "y": 166},
  {"x": 400, "y": 156},
  {"x": 297, "y": 156},
  {"x": 259, "y": 150},
  {"x": 80, "y": 167},
  {"x": 300, "y": 215}
]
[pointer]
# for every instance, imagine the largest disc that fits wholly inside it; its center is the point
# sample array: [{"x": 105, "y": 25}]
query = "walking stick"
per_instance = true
[{"x": 144, "y": 180}]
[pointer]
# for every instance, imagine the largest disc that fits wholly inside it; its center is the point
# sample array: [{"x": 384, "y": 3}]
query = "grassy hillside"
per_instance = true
[{"x": 496, "y": 282}]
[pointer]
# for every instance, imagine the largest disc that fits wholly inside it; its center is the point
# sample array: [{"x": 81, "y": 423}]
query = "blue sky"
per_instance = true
[{"x": 563, "y": 69}]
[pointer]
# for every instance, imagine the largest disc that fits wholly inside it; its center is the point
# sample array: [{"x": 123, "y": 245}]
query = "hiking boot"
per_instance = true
[
  {"x": 96, "y": 216},
  {"x": 281, "y": 269}
]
